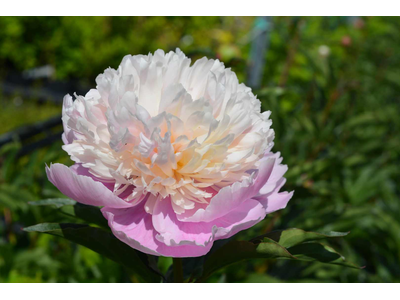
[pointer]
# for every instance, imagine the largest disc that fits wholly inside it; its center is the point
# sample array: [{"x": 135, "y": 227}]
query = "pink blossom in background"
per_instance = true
[{"x": 178, "y": 156}]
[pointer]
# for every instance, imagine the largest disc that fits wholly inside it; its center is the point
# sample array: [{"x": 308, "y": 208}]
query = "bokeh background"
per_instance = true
[{"x": 332, "y": 84}]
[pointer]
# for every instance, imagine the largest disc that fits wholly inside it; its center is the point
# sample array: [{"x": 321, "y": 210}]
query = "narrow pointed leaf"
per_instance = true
[
  {"x": 313, "y": 251},
  {"x": 267, "y": 248},
  {"x": 87, "y": 213},
  {"x": 57, "y": 202},
  {"x": 294, "y": 236},
  {"x": 103, "y": 243},
  {"x": 240, "y": 250}
]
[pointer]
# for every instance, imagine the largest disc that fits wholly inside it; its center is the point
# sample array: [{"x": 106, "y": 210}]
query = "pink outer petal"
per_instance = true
[
  {"x": 274, "y": 200},
  {"x": 68, "y": 136},
  {"x": 162, "y": 234},
  {"x": 173, "y": 232},
  {"x": 134, "y": 227},
  {"x": 274, "y": 179},
  {"x": 228, "y": 198},
  {"x": 80, "y": 170},
  {"x": 277, "y": 201},
  {"x": 82, "y": 188}
]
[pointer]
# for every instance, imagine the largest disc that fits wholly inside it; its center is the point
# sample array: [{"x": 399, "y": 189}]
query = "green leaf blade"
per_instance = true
[
  {"x": 241, "y": 250},
  {"x": 294, "y": 236},
  {"x": 294, "y": 244},
  {"x": 87, "y": 213},
  {"x": 313, "y": 251},
  {"x": 57, "y": 202},
  {"x": 103, "y": 243}
]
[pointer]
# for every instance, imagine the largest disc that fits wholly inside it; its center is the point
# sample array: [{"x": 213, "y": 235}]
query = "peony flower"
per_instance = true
[{"x": 179, "y": 156}]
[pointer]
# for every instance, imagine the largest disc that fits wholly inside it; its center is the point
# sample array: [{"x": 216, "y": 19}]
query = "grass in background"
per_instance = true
[{"x": 17, "y": 112}]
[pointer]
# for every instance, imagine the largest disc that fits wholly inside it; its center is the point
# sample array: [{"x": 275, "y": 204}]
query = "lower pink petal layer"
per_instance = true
[
  {"x": 134, "y": 227},
  {"x": 82, "y": 188},
  {"x": 165, "y": 233},
  {"x": 173, "y": 232}
]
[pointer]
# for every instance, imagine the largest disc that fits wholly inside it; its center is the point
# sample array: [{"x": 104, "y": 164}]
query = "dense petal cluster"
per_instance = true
[{"x": 178, "y": 156}]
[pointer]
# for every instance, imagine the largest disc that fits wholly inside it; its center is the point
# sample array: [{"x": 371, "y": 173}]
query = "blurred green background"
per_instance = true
[{"x": 332, "y": 84}]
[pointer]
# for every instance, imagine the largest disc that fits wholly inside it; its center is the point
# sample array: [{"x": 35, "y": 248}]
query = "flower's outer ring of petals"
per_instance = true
[
  {"x": 230, "y": 197},
  {"x": 82, "y": 188},
  {"x": 172, "y": 232},
  {"x": 134, "y": 227},
  {"x": 275, "y": 201},
  {"x": 78, "y": 169},
  {"x": 275, "y": 178},
  {"x": 68, "y": 135}
]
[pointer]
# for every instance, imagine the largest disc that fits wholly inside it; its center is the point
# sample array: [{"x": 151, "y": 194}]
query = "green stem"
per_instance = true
[{"x": 178, "y": 270}]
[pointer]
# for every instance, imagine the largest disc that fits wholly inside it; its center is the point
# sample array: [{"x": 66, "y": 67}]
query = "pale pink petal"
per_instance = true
[
  {"x": 80, "y": 170},
  {"x": 254, "y": 214},
  {"x": 276, "y": 175},
  {"x": 173, "y": 232},
  {"x": 134, "y": 227},
  {"x": 275, "y": 201},
  {"x": 228, "y": 198},
  {"x": 82, "y": 188}
]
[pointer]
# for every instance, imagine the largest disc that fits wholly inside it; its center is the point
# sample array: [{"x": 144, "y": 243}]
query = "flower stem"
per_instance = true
[{"x": 178, "y": 270}]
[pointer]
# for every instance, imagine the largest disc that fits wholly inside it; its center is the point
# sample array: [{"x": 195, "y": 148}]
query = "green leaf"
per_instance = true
[
  {"x": 312, "y": 251},
  {"x": 102, "y": 242},
  {"x": 272, "y": 248},
  {"x": 240, "y": 250},
  {"x": 90, "y": 214},
  {"x": 294, "y": 236},
  {"x": 57, "y": 202},
  {"x": 87, "y": 213}
]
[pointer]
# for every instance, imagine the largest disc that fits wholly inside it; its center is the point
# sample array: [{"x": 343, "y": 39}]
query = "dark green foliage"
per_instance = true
[
  {"x": 293, "y": 244},
  {"x": 102, "y": 242},
  {"x": 336, "y": 123}
]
